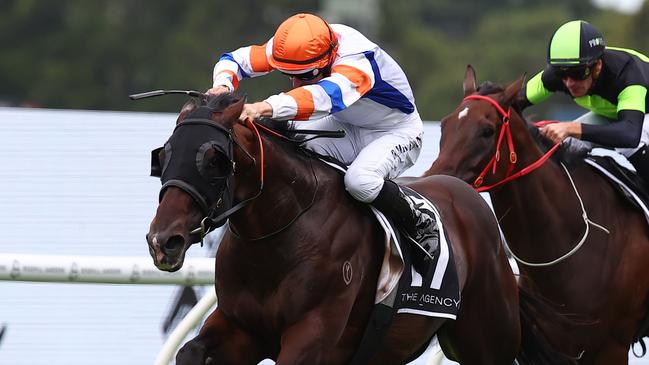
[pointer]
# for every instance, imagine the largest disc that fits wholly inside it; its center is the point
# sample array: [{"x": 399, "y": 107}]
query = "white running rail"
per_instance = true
[
  {"x": 118, "y": 270},
  {"x": 191, "y": 320},
  {"x": 102, "y": 270}
]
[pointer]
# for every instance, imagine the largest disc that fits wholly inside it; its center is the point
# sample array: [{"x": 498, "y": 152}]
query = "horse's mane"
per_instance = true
[
  {"x": 563, "y": 154},
  {"x": 489, "y": 87},
  {"x": 221, "y": 101},
  {"x": 293, "y": 141}
]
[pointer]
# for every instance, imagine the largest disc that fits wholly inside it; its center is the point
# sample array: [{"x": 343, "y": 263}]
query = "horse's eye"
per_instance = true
[
  {"x": 216, "y": 164},
  {"x": 487, "y": 132},
  {"x": 218, "y": 160}
]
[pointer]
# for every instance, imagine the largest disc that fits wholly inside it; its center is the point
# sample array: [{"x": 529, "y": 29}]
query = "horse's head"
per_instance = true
[
  {"x": 476, "y": 131},
  {"x": 196, "y": 167}
]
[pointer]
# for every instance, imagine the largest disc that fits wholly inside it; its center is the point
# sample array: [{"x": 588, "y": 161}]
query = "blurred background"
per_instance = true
[
  {"x": 76, "y": 150},
  {"x": 90, "y": 54}
]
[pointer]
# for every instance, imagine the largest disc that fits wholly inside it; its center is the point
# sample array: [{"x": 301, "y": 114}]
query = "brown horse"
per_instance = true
[
  {"x": 582, "y": 246},
  {"x": 296, "y": 272}
]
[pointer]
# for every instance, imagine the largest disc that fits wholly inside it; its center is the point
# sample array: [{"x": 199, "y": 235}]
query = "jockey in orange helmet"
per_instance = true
[{"x": 341, "y": 80}]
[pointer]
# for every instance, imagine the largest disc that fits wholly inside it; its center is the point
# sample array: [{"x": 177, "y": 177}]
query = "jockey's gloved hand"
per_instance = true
[
  {"x": 256, "y": 111},
  {"x": 220, "y": 89}
]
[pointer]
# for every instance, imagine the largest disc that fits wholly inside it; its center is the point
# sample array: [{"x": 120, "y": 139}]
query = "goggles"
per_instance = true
[
  {"x": 581, "y": 72},
  {"x": 305, "y": 76}
]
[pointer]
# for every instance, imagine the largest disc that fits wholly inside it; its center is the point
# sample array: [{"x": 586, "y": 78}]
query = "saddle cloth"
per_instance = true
[
  {"x": 434, "y": 293},
  {"x": 627, "y": 183}
]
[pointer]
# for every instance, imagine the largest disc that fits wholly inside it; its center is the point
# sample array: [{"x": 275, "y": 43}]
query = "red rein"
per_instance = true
[{"x": 505, "y": 132}]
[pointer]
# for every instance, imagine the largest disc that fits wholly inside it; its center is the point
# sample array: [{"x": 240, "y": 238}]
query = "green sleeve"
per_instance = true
[
  {"x": 633, "y": 97},
  {"x": 535, "y": 90}
]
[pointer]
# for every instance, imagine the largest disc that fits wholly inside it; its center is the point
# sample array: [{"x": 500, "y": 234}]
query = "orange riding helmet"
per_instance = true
[{"x": 302, "y": 43}]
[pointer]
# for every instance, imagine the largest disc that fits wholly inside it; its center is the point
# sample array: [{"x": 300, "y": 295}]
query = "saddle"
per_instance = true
[{"x": 625, "y": 181}]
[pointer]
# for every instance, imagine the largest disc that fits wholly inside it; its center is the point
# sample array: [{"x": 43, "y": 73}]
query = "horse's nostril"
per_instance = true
[{"x": 174, "y": 243}]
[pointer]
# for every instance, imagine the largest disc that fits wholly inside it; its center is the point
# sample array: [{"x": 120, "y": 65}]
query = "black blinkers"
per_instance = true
[{"x": 198, "y": 158}]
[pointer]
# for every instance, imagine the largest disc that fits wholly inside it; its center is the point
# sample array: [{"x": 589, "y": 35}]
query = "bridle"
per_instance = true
[
  {"x": 505, "y": 132},
  {"x": 210, "y": 221}
]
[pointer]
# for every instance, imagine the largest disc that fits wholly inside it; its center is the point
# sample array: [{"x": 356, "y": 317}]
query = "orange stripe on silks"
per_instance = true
[
  {"x": 358, "y": 77},
  {"x": 304, "y": 101},
  {"x": 233, "y": 76},
  {"x": 258, "y": 59}
]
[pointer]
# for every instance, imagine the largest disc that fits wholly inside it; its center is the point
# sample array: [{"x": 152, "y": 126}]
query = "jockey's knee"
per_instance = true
[{"x": 362, "y": 184}]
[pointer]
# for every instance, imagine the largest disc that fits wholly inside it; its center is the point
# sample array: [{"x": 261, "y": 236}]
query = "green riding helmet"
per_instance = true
[{"x": 575, "y": 43}]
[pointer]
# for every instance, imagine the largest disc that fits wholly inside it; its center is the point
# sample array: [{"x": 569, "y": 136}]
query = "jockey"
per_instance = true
[
  {"x": 611, "y": 82},
  {"x": 341, "y": 80}
]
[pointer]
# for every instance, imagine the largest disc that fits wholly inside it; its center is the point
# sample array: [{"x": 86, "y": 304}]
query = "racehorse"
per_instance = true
[
  {"x": 297, "y": 269},
  {"x": 578, "y": 242}
]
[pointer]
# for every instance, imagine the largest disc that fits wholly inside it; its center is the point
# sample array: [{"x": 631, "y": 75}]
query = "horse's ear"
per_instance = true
[
  {"x": 232, "y": 113},
  {"x": 189, "y": 107},
  {"x": 469, "y": 81},
  {"x": 513, "y": 90}
]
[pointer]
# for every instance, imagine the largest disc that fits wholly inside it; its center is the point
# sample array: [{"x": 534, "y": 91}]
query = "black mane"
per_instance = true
[
  {"x": 284, "y": 128},
  {"x": 220, "y": 101},
  {"x": 489, "y": 87}
]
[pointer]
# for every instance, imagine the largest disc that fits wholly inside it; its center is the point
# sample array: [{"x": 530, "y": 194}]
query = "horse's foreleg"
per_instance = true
[
  {"x": 221, "y": 342},
  {"x": 407, "y": 334},
  {"x": 313, "y": 341}
]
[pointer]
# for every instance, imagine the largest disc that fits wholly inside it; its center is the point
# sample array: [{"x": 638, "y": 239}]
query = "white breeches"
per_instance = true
[{"x": 372, "y": 155}]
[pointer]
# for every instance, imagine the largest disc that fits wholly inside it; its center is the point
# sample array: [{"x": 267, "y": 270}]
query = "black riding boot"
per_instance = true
[
  {"x": 418, "y": 225},
  {"x": 640, "y": 161}
]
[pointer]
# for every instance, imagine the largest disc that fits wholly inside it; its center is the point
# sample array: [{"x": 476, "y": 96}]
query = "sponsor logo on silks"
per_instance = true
[{"x": 596, "y": 41}]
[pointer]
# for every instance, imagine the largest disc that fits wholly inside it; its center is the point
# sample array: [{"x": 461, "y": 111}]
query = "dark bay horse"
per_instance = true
[
  {"x": 583, "y": 247},
  {"x": 296, "y": 271}
]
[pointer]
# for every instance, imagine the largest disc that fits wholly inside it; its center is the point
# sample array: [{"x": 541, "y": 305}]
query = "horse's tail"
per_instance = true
[{"x": 535, "y": 348}]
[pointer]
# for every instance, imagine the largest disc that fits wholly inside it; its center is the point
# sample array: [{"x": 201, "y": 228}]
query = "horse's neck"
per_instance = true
[
  {"x": 539, "y": 208},
  {"x": 291, "y": 186}
]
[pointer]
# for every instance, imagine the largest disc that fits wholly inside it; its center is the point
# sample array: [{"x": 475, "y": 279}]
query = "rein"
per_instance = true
[
  {"x": 207, "y": 224},
  {"x": 587, "y": 223},
  {"x": 505, "y": 132}
]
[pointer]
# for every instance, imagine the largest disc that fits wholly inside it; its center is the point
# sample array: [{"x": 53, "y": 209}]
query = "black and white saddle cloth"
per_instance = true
[
  {"x": 434, "y": 291},
  {"x": 627, "y": 183}
]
